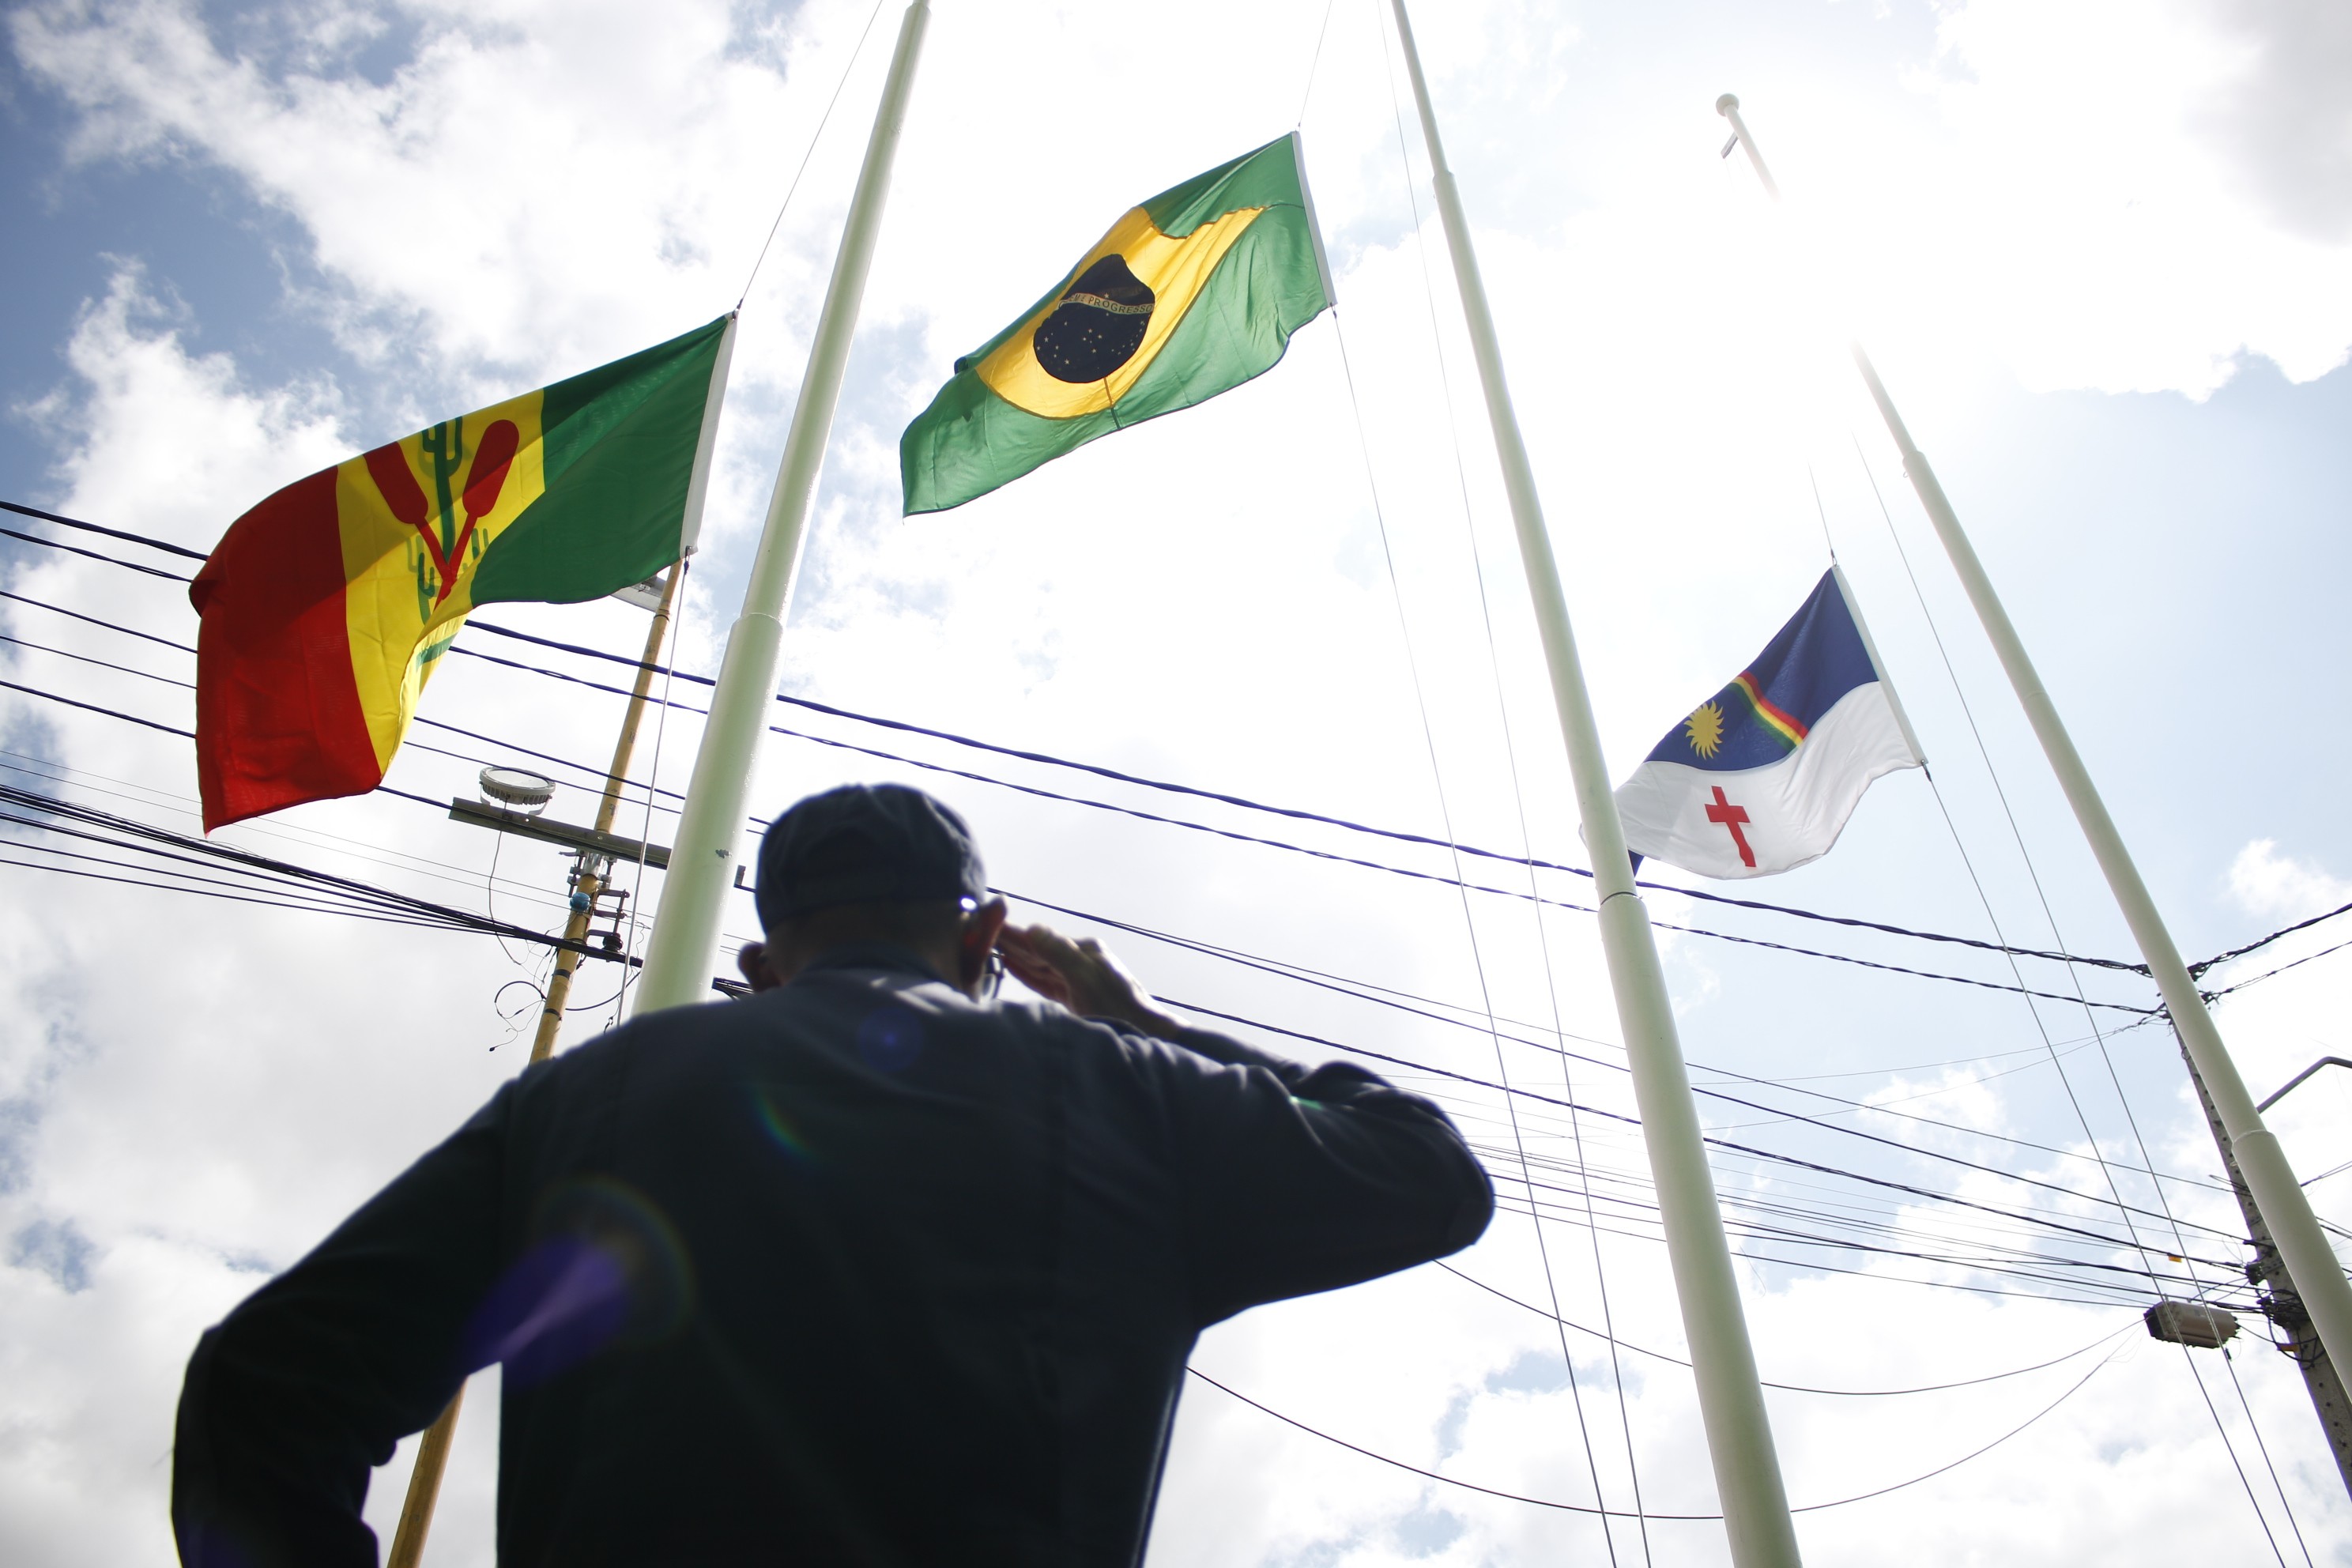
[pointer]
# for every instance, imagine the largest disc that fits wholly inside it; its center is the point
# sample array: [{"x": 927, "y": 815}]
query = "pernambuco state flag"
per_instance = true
[
  {"x": 1762, "y": 776},
  {"x": 327, "y": 607},
  {"x": 1188, "y": 295}
]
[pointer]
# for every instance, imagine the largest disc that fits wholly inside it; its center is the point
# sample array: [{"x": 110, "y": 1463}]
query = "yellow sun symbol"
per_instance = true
[{"x": 1705, "y": 729}]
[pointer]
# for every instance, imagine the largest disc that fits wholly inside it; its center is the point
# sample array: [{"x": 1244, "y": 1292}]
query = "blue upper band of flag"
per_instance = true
[{"x": 1764, "y": 714}]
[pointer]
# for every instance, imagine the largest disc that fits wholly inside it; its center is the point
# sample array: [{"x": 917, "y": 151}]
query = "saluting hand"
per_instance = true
[{"x": 1082, "y": 976}]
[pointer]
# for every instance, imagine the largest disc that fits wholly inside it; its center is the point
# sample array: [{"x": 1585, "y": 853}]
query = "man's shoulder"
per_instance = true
[{"x": 819, "y": 1006}]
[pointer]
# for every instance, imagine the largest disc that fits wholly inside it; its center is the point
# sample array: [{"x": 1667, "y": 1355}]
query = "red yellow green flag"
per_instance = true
[{"x": 327, "y": 607}]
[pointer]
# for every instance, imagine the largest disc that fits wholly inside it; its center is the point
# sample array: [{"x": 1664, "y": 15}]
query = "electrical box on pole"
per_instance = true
[
  {"x": 2197, "y": 1324},
  {"x": 2275, "y": 1293}
]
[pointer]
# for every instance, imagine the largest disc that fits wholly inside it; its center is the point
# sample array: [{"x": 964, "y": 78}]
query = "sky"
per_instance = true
[{"x": 2098, "y": 251}]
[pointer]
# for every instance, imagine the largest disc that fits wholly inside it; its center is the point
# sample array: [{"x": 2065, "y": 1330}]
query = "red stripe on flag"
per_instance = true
[{"x": 278, "y": 711}]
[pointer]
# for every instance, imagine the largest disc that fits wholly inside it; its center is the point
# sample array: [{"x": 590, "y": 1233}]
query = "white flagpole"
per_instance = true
[
  {"x": 1731, "y": 1401},
  {"x": 684, "y": 947},
  {"x": 2302, "y": 1246}
]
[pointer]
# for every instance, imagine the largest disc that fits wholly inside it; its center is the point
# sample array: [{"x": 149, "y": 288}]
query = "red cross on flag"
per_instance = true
[{"x": 1762, "y": 776}]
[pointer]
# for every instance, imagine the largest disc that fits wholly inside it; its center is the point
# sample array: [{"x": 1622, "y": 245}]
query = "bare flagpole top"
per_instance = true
[{"x": 1728, "y": 106}]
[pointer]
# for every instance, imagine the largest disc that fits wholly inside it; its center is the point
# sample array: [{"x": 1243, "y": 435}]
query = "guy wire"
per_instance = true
[
  {"x": 653, "y": 777},
  {"x": 814, "y": 137},
  {"x": 489, "y": 897},
  {"x": 1526, "y": 845},
  {"x": 1822, "y": 512},
  {"x": 1983, "y": 899},
  {"x": 1477, "y": 957},
  {"x": 2230, "y": 1364},
  {"x": 1316, "y": 60},
  {"x": 2163, "y": 1200},
  {"x": 2075, "y": 980}
]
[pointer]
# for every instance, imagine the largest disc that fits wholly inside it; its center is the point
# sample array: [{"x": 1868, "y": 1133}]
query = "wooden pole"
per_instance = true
[
  {"x": 433, "y": 1452},
  {"x": 425, "y": 1486},
  {"x": 567, "y": 962}
]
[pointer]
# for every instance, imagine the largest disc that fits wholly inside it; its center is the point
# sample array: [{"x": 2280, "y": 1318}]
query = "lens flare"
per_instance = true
[
  {"x": 779, "y": 1126},
  {"x": 890, "y": 1039},
  {"x": 605, "y": 1268}
]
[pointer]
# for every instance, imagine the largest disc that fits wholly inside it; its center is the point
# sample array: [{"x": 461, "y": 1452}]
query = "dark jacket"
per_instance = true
[{"x": 858, "y": 1271}]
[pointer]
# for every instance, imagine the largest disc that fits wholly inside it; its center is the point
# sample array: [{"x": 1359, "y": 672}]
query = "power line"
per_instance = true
[
  {"x": 1676, "y": 1517},
  {"x": 94, "y": 708},
  {"x": 164, "y": 545},
  {"x": 467, "y": 920},
  {"x": 57, "y": 773},
  {"x": 1034, "y": 791},
  {"x": 94, "y": 555},
  {"x": 1293, "y": 813},
  {"x": 1141, "y": 781},
  {"x": 125, "y": 832},
  {"x": 378, "y": 903},
  {"x": 1047, "y": 759},
  {"x": 1797, "y": 1387},
  {"x": 1359, "y": 992},
  {"x": 1713, "y": 1093},
  {"x": 129, "y": 834},
  {"x": 1749, "y": 1150},
  {"x": 1386, "y": 996}
]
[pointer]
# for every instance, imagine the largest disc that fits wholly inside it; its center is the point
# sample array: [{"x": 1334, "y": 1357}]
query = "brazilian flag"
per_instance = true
[{"x": 1192, "y": 293}]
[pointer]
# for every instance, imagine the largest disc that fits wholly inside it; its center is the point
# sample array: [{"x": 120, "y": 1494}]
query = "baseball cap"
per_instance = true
[{"x": 866, "y": 843}]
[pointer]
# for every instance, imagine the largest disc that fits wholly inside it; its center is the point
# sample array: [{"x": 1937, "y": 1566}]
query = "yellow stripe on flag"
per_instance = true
[
  {"x": 415, "y": 517},
  {"x": 1174, "y": 270}
]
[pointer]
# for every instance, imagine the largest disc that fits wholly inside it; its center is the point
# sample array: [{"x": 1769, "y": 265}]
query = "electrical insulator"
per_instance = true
[{"x": 2191, "y": 1323}]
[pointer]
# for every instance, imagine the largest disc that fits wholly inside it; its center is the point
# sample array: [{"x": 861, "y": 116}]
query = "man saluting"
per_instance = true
[{"x": 869, "y": 1268}]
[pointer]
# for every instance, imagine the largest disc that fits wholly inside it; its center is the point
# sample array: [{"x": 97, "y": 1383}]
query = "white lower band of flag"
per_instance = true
[{"x": 1768, "y": 819}]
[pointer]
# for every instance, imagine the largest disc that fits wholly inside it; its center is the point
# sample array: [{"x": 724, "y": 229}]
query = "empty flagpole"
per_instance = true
[
  {"x": 1731, "y": 1400},
  {"x": 2302, "y": 1246},
  {"x": 684, "y": 947}
]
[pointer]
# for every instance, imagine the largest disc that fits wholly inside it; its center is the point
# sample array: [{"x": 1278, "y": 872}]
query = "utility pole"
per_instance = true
[
  {"x": 2304, "y": 1258},
  {"x": 589, "y": 874},
  {"x": 2277, "y": 1293},
  {"x": 1756, "y": 1518}
]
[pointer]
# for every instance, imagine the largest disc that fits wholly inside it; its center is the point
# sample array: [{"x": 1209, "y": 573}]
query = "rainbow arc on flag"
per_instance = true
[
  {"x": 1762, "y": 776},
  {"x": 327, "y": 607}
]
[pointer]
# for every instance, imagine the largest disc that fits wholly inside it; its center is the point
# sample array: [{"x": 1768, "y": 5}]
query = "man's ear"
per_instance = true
[
  {"x": 977, "y": 940},
  {"x": 752, "y": 959}
]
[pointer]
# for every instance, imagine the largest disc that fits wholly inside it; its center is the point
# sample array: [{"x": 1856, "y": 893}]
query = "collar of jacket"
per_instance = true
[{"x": 888, "y": 956}]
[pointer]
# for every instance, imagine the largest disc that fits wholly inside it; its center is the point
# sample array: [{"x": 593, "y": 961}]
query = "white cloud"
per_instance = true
[
  {"x": 138, "y": 391},
  {"x": 2283, "y": 113},
  {"x": 2280, "y": 887},
  {"x": 2100, "y": 200}
]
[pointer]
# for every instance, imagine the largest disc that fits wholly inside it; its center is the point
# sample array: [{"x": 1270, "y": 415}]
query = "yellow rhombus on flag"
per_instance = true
[{"x": 1188, "y": 295}]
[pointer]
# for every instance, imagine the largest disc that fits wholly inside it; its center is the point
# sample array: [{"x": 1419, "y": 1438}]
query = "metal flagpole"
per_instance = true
[
  {"x": 1731, "y": 1400},
  {"x": 432, "y": 1451},
  {"x": 2310, "y": 1263},
  {"x": 685, "y": 943}
]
